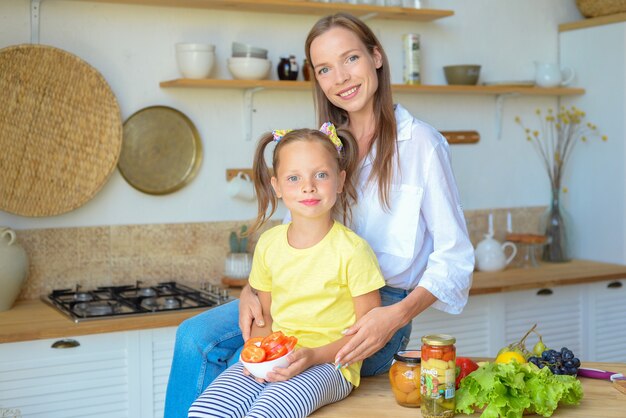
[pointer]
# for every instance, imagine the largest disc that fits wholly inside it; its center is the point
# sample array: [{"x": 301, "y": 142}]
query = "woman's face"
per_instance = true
[{"x": 345, "y": 70}]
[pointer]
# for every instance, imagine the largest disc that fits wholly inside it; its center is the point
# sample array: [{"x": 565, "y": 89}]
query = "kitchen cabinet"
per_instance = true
[
  {"x": 119, "y": 374},
  {"x": 607, "y": 328},
  {"x": 97, "y": 378},
  {"x": 557, "y": 310},
  {"x": 472, "y": 328}
]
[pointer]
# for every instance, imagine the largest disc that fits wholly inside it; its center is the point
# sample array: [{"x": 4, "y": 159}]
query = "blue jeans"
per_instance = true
[{"x": 210, "y": 342}]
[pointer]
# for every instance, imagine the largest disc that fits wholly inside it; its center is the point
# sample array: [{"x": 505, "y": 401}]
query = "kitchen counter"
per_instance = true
[
  {"x": 374, "y": 399},
  {"x": 33, "y": 319}
]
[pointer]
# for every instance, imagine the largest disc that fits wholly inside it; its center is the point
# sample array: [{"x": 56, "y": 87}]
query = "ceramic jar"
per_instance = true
[{"x": 13, "y": 268}]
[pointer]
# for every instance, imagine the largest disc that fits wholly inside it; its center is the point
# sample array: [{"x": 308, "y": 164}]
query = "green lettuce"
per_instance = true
[{"x": 507, "y": 390}]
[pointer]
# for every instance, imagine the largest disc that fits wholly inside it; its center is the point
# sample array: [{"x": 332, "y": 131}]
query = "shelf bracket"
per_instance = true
[
  {"x": 248, "y": 110},
  {"x": 499, "y": 106},
  {"x": 35, "y": 6}
]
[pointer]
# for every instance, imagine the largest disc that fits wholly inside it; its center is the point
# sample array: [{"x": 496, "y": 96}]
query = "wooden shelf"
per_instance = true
[
  {"x": 398, "y": 88},
  {"x": 595, "y": 21},
  {"x": 297, "y": 7}
]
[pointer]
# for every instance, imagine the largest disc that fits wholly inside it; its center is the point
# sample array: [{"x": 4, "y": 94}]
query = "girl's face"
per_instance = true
[
  {"x": 345, "y": 70},
  {"x": 308, "y": 180}
]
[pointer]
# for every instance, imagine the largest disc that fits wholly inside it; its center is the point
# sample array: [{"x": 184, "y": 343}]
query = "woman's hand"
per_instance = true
[
  {"x": 369, "y": 334},
  {"x": 299, "y": 360},
  {"x": 249, "y": 311}
]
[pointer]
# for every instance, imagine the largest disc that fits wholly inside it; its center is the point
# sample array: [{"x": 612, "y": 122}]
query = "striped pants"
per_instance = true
[{"x": 234, "y": 395}]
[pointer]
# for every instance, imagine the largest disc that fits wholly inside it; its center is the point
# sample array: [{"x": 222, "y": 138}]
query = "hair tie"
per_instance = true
[
  {"x": 331, "y": 132},
  {"x": 279, "y": 133}
]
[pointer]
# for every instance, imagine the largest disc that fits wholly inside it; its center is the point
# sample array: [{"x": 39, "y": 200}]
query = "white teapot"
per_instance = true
[{"x": 490, "y": 254}]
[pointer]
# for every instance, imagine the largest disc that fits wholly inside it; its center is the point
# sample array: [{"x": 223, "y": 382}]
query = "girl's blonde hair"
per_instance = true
[
  {"x": 385, "y": 131},
  {"x": 347, "y": 159}
]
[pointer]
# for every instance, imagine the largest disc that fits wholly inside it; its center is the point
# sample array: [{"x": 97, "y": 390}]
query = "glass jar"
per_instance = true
[
  {"x": 404, "y": 376},
  {"x": 438, "y": 376}
]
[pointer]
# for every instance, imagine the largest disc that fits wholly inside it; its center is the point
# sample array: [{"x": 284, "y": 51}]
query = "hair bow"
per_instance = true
[{"x": 327, "y": 129}]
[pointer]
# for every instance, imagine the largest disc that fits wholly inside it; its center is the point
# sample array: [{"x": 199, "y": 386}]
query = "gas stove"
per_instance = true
[{"x": 132, "y": 300}]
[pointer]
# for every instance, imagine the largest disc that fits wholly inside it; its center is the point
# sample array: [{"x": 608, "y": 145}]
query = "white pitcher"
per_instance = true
[
  {"x": 490, "y": 254},
  {"x": 551, "y": 75},
  {"x": 13, "y": 268}
]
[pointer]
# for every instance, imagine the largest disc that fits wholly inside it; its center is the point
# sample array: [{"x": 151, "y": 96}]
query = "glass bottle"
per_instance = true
[
  {"x": 306, "y": 70},
  {"x": 554, "y": 223},
  {"x": 404, "y": 376},
  {"x": 438, "y": 376}
]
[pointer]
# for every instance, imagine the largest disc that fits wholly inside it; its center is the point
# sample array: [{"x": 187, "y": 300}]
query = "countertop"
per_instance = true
[
  {"x": 374, "y": 399},
  {"x": 33, "y": 319}
]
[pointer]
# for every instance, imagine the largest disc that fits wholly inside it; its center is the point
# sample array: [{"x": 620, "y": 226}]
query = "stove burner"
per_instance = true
[
  {"x": 115, "y": 301},
  {"x": 171, "y": 303},
  {"x": 147, "y": 292},
  {"x": 97, "y": 308},
  {"x": 83, "y": 297}
]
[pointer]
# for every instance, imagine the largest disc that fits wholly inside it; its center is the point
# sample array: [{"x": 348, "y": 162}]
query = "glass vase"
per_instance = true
[{"x": 555, "y": 224}]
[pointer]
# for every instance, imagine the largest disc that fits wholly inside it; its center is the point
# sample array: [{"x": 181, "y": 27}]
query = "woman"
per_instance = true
[{"x": 408, "y": 210}]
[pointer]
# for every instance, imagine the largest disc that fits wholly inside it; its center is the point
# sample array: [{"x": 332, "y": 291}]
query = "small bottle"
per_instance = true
[
  {"x": 438, "y": 375},
  {"x": 306, "y": 70},
  {"x": 404, "y": 376},
  {"x": 283, "y": 68},
  {"x": 411, "y": 55},
  {"x": 293, "y": 68}
]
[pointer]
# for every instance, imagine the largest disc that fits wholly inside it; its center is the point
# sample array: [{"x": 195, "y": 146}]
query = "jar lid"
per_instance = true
[
  {"x": 438, "y": 339},
  {"x": 409, "y": 356}
]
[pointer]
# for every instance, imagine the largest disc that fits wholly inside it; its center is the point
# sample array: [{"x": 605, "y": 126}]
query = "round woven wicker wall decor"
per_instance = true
[{"x": 60, "y": 131}]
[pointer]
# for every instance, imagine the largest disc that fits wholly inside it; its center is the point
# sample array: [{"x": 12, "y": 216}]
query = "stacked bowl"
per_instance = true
[
  {"x": 195, "y": 60},
  {"x": 248, "y": 62}
]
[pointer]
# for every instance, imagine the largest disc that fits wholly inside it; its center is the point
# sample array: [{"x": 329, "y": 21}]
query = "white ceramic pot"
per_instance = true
[
  {"x": 13, "y": 268},
  {"x": 195, "y": 60},
  {"x": 238, "y": 265},
  {"x": 490, "y": 254},
  {"x": 551, "y": 75}
]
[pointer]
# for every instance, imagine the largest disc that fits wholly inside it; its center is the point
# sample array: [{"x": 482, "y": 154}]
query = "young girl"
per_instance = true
[{"x": 314, "y": 278}]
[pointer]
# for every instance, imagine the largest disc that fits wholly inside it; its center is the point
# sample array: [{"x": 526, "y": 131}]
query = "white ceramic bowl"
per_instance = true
[
  {"x": 249, "y": 68},
  {"x": 195, "y": 60},
  {"x": 241, "y": 48},
  {"x": 260, "y": 369}
]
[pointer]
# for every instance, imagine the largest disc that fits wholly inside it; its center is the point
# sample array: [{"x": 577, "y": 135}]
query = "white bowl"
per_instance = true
[
  {"x": 239, "y": 47},
  {"x": 195, "y": 60},
  {"x": 260, "y": 370},
  {"x": 249, "y": 68}
]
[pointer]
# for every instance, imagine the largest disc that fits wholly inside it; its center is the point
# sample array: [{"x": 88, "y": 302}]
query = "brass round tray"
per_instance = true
[{"x": 161, "y": 150}]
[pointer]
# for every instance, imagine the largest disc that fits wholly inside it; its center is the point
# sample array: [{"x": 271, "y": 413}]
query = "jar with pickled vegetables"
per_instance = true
[
  {"x": 404, "y": 376},
  {"x": 438, "y": 374}
]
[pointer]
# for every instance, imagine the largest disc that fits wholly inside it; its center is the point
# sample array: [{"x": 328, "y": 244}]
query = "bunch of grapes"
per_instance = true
[{"x": 559, "y": 362}]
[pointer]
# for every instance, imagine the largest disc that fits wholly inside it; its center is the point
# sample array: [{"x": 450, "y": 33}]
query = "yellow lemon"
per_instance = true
[{"x": 509, "y": 356}]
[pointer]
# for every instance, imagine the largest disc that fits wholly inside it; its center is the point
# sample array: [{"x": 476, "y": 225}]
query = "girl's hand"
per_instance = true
[
  {"x": 299, "y": 360},
  {"x": 249, "y": 311},
  {"x": 369, "y": 334}
]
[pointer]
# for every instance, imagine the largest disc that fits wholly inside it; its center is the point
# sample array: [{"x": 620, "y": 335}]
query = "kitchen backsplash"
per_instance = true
[{"x": 192, "y": 253}]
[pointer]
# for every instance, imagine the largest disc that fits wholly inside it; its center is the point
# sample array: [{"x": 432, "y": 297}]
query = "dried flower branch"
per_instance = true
[{"x": 561, "y": 133}]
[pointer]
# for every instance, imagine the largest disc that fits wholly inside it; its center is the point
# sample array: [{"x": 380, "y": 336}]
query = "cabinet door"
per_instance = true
[
  {"x": 557, "y": 311},
  {"x": 471, "y": 328},
  {"x": 157, "y": 351},
  {"x": 89, "y": 380},
  {"x": 607, "y": 321}
]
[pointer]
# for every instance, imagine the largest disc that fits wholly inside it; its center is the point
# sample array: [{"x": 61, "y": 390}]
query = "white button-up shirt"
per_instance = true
[{"x": 421, "y": 240}]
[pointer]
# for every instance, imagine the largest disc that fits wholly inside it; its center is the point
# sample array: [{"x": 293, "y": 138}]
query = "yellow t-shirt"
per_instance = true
[{"x": 312, "y": 288}]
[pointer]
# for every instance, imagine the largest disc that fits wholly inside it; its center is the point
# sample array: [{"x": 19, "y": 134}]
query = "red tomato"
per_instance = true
[
  {"x": 272, "y": 339},
  {"x": 276, "y": 352},
  {"x": 291, "y": 343},
  {"x": 253, "y": 341},
  {"x": 253, "y": 354}
]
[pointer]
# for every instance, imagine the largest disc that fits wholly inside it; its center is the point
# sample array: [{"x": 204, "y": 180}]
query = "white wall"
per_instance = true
[
  {"x": 597, "y": 200},
  {"x": 133, "y": 47}
]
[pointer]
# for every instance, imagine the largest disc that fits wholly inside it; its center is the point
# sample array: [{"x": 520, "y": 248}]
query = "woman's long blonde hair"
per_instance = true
[
  {"x": 347, "y": 159},
  {"x": 385, "y": 131}
]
